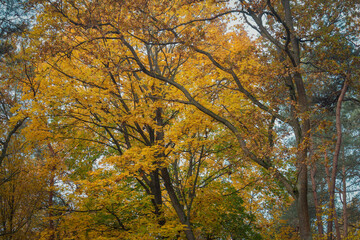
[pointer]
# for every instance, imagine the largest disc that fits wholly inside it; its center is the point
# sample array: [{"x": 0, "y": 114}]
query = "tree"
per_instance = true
[
  {"x": 22, "y": 197},
  {"x": 173, "y": 52},
  {"x": 286, "y": 36},
  {"x": 90, "y": 96},
  {"x": 11, "y": 25}
]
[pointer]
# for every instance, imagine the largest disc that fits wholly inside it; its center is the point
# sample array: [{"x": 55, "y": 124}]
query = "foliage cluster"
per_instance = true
[{"x": 164, "y": 120}]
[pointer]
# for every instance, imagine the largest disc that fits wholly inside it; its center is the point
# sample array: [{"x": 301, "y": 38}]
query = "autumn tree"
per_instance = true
[
  {"x": 107, "y": 114},
  {"x": 11, "y": 25},
  {"x": 21, "y": 187},
  {"x": 22, "y": 197},
  {"x": 127, "y": 61},
  {"x": 285, "y": 30}
]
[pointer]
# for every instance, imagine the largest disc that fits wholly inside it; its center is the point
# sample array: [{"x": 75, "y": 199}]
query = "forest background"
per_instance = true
[{"x": 164, "y": 120}]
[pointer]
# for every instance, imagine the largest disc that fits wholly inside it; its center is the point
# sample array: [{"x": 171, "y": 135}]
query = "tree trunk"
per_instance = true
[
  {"x": 51, "y": 194},
  {"x": 303, "y": 133},
  {"x": 302, "y": 200},
  {"x": 156, "y": 192},
  {"x": 176, "y": 204},
  {"x": 50, "y": 206},
  {"x": 344, "y": 200},
  {"x": 301, "y": 161},
  {"x": 316, "y": 202},
  {"x": 335, "y": 162}
]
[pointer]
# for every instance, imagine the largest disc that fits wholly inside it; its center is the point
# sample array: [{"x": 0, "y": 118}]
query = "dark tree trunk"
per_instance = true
[
  {"x": 316, "y": 202},
  {"x": 176, "y": 204}
]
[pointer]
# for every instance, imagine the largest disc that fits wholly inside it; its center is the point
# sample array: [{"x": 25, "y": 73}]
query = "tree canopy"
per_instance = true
[{"x": 164, "y": 120}]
